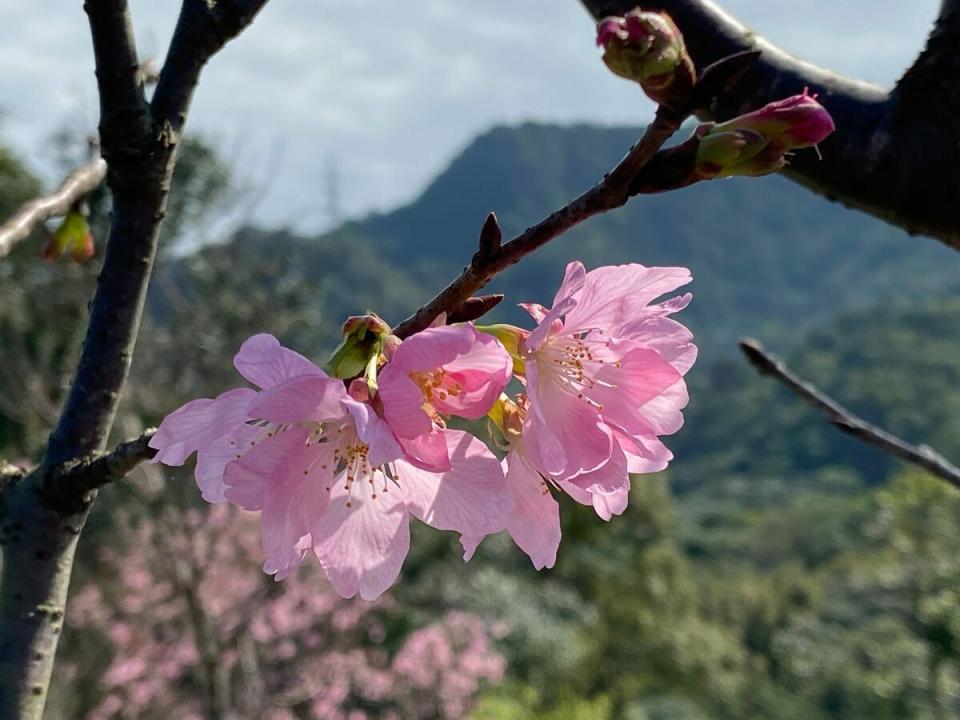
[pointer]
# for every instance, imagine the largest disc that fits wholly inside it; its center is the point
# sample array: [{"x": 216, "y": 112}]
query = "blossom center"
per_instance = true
[
  {"x": 572, "y": 362},
  {"x": 436, "y": 386}
]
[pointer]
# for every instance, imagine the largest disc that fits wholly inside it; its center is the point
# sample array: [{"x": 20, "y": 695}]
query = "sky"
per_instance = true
[{"x": 383, "y": 95}]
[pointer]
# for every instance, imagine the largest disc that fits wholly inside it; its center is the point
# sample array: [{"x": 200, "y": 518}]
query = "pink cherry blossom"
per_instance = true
[
  {"x": 604, "y": 373},
  {"x": 216, "y": 428},
  {"x": 442, "y": 371},
  {"x": 604, "y": 363},
  {"x": 343, "y": 486}
]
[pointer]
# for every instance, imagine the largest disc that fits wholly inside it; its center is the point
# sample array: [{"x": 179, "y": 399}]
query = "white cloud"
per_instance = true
[{"x": 394, "y": 90}]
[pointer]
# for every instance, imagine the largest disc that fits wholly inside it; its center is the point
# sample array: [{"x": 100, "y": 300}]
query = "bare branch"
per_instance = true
[
  {"x": 76, "y": 186},
  {"x": 203, "y": 28},
  {"x": 474, "y": 308},
  {"x": 93, "y": 474},
  {"x": 611, "y": 192},
  {"x": 139, "y": 144},
  {"x": 894, "y": 155},
  {"x": 921, "y": 455}
]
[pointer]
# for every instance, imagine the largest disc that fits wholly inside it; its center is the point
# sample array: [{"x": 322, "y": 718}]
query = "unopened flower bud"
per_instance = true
[
  {"x": 758, "y": 143},
  {"x": 736, "y": 152},
  {"x": 793, "y": 123},
  {"x": 359, "y": 352},
  {"x": 72, "y": 236},
  {"x": 648, "y": 48}
]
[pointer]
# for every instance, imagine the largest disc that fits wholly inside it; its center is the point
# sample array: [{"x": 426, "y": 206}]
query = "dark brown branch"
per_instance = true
[
  {"x": 202, "y": 29},
  {"x": 87, "y": 475},
  {"x": 611, "y": 192},
  {"x": 139, "y": 143},
  {"x": 894, "y": 155},
  {"x": 474, "y": 308},
  {"x": 921, "y": 455},
  {"x": 76, "y": 186}
]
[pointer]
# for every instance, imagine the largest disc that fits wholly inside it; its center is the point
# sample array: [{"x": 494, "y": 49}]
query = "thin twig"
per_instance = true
[
  {"x": 114, "y": 465},
  {"x": 611, "y": 192},
  {"x": 921, "y": 455},
  {"x": 77, "y": 185}
]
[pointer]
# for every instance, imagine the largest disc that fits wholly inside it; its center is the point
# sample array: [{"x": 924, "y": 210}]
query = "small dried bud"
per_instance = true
[
  {"x": 72, "y": 236},
  {"x": 648, "y": 48}
]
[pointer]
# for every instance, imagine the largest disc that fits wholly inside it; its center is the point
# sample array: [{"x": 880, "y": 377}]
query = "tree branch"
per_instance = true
[
  {"x": 492, "y": 258},
  {"x": 45, "y": 513},
  {"x": 79, "y": 479},
  {"x": 895, "y": 155},
  {"x": 921, "y": 455},
  {"x": 202, "y": 29},
  {"x": 76, "y": 186}
]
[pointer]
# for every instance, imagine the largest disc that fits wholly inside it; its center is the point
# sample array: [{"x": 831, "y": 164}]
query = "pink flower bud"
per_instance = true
[
  {"x": 795, "y": 122},
  {"x": 758, "y": 143},
  {"x": 736, "y": 152},
  {"x": 648, "y": 48}
]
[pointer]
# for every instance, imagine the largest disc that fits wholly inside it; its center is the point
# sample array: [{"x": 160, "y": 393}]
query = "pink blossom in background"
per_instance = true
[
  {"x": 274, "y": 646},
  {"x": 604, "y": 379}
]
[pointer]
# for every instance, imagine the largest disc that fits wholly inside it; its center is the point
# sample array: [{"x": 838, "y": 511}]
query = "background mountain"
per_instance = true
[{"x": 768, "y": 258}]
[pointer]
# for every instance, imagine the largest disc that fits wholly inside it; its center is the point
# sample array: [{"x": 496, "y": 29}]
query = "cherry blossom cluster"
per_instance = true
[{"x": 337, "y": 459}]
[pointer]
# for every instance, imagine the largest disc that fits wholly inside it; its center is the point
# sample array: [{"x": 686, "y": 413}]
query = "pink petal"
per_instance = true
[
  {"x": 374, "y": 431},
  {"x": 611, "y": 477},
  {"x": 564, "y": 435},
  {"x": 315, "y": 398},
  {"x": 427, "y": 452},
  {"x": 362, "y": 547},
  {"x": 671, "y": 306},
  {"x": 265, "y": 362},
  {"x": 402, "y": 402},
  {"x": 294, "y": 506},
  {"x": 482, "y": 373},
  {"x": 563, "y": 303},
  {"x": 433, "y": 347},
  {"x": 606, "y": 506},
  {"x": 645, "y": 453},
  {"x": 534, "y": 523},
  {"x": 616, "y": 294},
  {"x": 625, "y": 392},
  {"x": 471, "y": 498},
  {"x": 574, "y": 277},
  {"x": 212, "y": 460},
  {"x": 664, "y": 413},
  {"x": 670, "y": 339},
  {"x": 199, "y": 423},
  {"x": 250, "y": 479},
  {"x": 552, "y": 322},
  {"x": 537, "y": 311}
]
